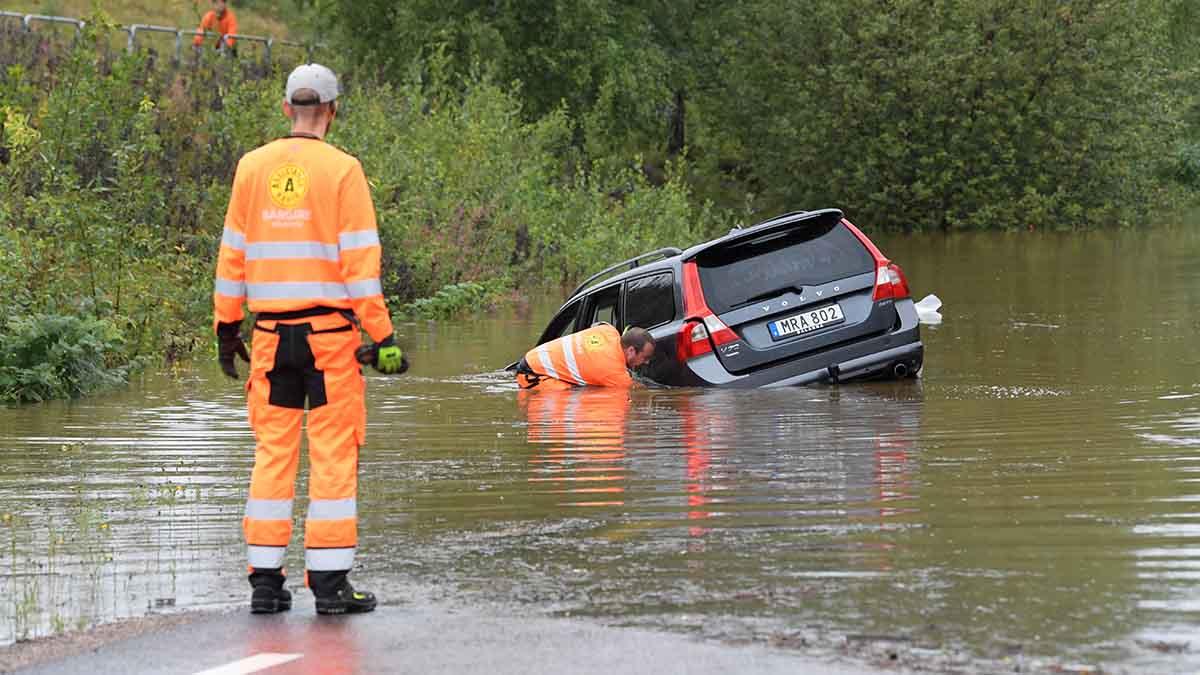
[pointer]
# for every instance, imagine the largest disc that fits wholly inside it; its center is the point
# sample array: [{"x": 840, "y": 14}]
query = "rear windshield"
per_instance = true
[{"x": 737, "y": 275}]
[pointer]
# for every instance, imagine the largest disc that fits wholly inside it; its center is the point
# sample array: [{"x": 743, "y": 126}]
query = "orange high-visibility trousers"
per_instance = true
[{"x": 295, "y": 362}]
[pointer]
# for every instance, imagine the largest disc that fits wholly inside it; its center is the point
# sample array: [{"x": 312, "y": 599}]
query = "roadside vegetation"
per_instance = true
[{"x": 510, "y": 147}]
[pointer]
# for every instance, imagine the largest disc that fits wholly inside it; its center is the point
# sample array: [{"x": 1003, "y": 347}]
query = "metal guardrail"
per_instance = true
[
  {"x": 27, "y": 20},
  {"x": 30, "y": 18},
  {"x": 268, "y": 42}
]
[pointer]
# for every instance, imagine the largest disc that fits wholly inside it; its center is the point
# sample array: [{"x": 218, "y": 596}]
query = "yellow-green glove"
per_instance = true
[{"x": 384, "y": 356}]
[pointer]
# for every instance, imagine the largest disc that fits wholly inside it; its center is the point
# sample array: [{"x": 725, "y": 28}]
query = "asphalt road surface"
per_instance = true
[{"x": 407, "y": 639}]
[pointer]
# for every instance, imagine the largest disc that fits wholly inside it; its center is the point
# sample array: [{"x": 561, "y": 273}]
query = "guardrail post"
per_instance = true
[{"x": 267, "y": 54}]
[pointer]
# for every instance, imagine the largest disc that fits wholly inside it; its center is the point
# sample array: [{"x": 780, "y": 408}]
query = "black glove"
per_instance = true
[
  {"x": 384, "y": 356},
  {"x": 229, "y": 342}
]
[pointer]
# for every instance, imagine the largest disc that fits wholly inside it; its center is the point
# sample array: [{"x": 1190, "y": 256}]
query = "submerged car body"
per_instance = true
[{"x": 804, "y": 297}]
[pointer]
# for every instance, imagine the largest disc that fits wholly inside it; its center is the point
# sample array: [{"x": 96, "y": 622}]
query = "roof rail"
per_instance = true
[
  {"x": 781, "y": 216},
  {"x": 633, "y": 262}
]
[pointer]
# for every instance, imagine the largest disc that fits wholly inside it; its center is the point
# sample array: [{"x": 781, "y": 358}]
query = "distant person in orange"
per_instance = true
[
  {"x": 220, "y": 19},
  {"x": 301, "y": 250},
  {"x": 598, "y": 356}
]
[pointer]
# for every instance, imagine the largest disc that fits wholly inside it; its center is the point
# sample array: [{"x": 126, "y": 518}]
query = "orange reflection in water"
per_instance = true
[
  {"x": 697, "y": 443},
  {"x": 580, "y": 435}
]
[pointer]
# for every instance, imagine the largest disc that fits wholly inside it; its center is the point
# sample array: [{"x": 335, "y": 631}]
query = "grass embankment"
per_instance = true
[{"x": 120, "y": 172}]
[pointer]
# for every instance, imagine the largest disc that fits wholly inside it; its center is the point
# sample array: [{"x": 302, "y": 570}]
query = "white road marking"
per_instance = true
[{"x": 251, "y": 664}]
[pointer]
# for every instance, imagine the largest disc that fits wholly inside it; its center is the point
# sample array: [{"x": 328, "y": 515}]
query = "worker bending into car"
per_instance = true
[
  {"x": 598, "y": 356},
  {"x": 301, "y": 249}
]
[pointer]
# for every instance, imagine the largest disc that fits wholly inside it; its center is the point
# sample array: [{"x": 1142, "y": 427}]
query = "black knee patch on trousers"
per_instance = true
[{"x": 294, "y": 376}]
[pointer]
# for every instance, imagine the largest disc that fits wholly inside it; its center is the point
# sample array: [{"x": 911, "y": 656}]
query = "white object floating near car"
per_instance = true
[{"x": 927, "y": 310}]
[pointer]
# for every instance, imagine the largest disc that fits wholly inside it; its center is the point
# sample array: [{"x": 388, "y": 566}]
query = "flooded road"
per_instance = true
[{"x": 1034, "y": 496}]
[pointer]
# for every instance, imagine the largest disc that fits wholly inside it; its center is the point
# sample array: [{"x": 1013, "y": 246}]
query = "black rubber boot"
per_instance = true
[
  {"x": 335, "y": 595},
  {"x": 269, "y": 596}
]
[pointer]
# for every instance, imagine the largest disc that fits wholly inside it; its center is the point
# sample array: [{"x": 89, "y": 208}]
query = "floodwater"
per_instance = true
[{"x": 1034, "y": 498}]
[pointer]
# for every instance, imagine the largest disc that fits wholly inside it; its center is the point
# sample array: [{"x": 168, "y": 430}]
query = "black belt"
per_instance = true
[{"x": 320, "y": 310}]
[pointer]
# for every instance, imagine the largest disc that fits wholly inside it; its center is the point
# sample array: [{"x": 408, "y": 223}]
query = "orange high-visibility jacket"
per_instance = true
[
  {"x": 226, "y": 25},
  {"x": 299, "y": 233},
  {"x": 589, "y": 357}
]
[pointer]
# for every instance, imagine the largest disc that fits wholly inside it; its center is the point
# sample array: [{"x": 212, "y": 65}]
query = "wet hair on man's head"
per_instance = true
[
  {"x": 637, "y": 338},
  {"x": 306, "y": 104},
  {"x": 305, "y": 97}
]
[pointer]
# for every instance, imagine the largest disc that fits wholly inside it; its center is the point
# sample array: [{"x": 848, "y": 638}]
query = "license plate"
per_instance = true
[{"x": 806, "y": 321}]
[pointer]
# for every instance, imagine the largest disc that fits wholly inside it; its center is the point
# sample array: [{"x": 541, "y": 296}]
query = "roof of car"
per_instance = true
[{"x": 671, "y": 256}]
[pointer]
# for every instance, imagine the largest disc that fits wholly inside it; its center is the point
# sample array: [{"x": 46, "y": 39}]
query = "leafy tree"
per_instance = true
[
  {"x": 600, "y": 58},
  {"x": 949, "y": 114}
]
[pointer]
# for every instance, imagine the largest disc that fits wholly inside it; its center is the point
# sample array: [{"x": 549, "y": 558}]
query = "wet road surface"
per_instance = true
[{"x": 428, "y": 640}]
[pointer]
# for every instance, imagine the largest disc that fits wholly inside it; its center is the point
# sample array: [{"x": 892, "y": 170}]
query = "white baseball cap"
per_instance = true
[{"x": 316, "y": 77}]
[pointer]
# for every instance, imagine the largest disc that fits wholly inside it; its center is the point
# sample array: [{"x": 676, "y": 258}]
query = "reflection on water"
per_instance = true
[
  {"x": 1034, "y": 495},
  {"x": 581, "y": 436}
]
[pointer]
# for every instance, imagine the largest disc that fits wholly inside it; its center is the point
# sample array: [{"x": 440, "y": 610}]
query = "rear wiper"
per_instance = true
[{"x": 763, "y": 296}]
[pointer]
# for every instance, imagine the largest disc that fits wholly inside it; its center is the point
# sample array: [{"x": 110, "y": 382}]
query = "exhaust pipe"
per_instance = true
[{"x": 900, "y": 370}]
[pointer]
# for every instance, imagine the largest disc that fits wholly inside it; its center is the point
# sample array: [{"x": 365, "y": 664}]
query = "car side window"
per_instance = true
[
  {"x": 604, "y": 306},
  {"x": 562, "y": 323},
  {"x": 650, "y": 301}
]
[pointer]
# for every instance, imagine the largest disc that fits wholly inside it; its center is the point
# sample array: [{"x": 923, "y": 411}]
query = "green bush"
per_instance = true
[
  {"x": 452, "y": 301},
  {"x": 1188, "y": 165},
  {"x": 46, "y": 356}
]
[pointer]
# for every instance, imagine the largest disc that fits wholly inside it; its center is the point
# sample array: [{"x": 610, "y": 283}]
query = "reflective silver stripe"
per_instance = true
[
  {"x": 364, "y": 288},
  {"x": 275, "y": 250},
  {"x": 269, "y": 509},
  {"x": 360, "y": 239},
  {"x": 328, "y": 559},
  {"x": 266, "y": 557},
  {"x": 293, "y": 290},
  {"x": 544, "y": 357},
  {"x": 234, "y": 240},
  {"x": 332, "y": 509},
  {"x": 571, "y": 416},
  {"x": 569, "y": 351},
  {"x": 234, "y": 289}
]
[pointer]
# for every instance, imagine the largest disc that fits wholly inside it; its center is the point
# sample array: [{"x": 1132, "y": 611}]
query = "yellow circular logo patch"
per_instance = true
[
  {"x": 289, "y": 184},
  {"x": 594, "y": 342}
]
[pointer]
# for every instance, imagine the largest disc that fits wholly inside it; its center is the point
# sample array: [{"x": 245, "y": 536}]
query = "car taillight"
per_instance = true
[
  {"x": 693, "y": 341},
  {"x": 889, "y": 278},
  {"x": 889, "y": 282},
  {"x": 702, "y": 330}
]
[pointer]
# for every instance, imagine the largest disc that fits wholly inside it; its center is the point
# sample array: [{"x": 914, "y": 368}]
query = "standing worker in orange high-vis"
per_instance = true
[
  {"x": 598, "y": 356},
  {"x": 301, "y": 249},
  {"x": 219, "y": 19}
]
